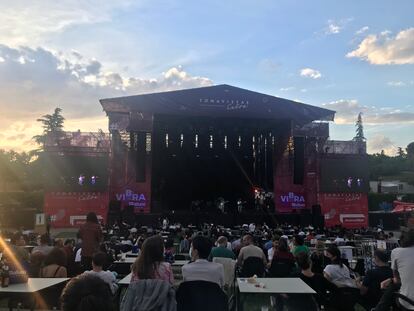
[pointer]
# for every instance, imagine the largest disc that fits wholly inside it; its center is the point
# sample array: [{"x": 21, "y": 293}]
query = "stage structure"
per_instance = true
[
  {"x": 76, "y": 179},
  {"x": 187, "y": 150}
]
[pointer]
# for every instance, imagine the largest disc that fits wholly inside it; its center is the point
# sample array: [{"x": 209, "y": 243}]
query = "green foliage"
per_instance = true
[
  {"x": 410, "y": 150},
  {"x": 375, "y": 200},
  {"x": 399, "y": 167},
  {"x": 27, "y": 200},
  {"x": 51, "y": 124},
  {"x": 359, "y": 131}
]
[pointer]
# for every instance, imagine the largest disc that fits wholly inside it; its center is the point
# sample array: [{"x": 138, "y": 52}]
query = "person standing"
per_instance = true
[{"x": 91, "y": 235}]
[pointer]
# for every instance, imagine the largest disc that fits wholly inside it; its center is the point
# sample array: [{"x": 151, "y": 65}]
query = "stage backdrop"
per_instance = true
[
  {"x": 350, "y": 210},
  {"x": 69, "y": 209}
]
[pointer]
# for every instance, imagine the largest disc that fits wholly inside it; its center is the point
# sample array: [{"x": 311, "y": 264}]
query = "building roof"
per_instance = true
[{"x": 218, "y": 101}]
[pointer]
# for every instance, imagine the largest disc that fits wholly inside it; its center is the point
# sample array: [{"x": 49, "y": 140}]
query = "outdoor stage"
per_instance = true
[{"x": 185, "y": 154}]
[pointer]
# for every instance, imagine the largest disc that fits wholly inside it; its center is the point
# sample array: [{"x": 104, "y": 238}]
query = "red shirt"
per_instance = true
[{"x": 91, "y": 235}]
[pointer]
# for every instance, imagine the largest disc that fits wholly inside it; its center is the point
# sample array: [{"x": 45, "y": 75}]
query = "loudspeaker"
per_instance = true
[
  {"x": 316, "y": 210},
  {"x": 318, "y": 220},
  {"x": 140, "y": 163},
  {"x": 298, "y": 160}
]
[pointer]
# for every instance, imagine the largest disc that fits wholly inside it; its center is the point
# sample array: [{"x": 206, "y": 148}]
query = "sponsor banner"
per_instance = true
[
  {"x": 287, "y": 202},
  {"x": 135, "y": 198},
  {"x": 349, "y": 210},
  {"x": 69, "y": 209}
]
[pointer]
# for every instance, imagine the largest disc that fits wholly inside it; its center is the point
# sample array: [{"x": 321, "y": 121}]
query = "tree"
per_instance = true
[
  {"x": 52, "y": 124},
  {"x": 410, "y": 150},
  {"x": 359, "y": 129},
  {"x": 401, "y": 153}
]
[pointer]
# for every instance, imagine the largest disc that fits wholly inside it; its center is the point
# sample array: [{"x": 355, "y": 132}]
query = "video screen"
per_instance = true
[
  {"x": 344, "y": 175},
  {"x": 69, "y": 173}
]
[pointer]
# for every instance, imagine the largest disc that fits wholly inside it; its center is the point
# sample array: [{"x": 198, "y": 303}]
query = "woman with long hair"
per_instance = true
[
  {"x": 54, "y": 264},
  {"x": 150, "y": 264},
  {"x": 337, "y": 272}
]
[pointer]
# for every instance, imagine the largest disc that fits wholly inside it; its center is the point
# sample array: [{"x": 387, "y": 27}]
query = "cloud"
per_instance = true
[
  {"x": 384, "y": 49},
  {"x": 334, "y": 27},
  {"x": 35, "y": 81},
  {"x": 362, "y": 30},
  {"x": 348, "y": 109},
  {"x": 379, "y": 142},
  {"x": 285, "y": 89},
  {"x": 30, "y": 22},
  {"x": 310, "y": 73},
  {"x": 396, "y": 83}
]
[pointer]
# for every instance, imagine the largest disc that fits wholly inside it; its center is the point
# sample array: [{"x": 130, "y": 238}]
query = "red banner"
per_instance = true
[
  {"x": 402, "y": 207},
  {"x": 69, "y": 209},
  {"x": 349, "y": 210}
]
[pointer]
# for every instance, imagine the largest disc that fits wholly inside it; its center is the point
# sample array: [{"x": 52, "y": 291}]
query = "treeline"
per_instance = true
[
  {"x": 20, "y": 171},
  {"x": 399, "y": 167}
]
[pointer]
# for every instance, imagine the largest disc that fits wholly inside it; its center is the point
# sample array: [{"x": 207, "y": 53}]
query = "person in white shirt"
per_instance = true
[
  {"x": 402, "y": 264},
  {"x": 252, "y": 228},
  {"x": 337, "y": 272},
  {"x": 201, "y": 269},
  {"x": 98, "y": 260}
]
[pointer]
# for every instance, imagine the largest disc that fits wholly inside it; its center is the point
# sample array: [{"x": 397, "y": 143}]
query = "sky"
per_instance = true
[{"x": 349, "y": 56}]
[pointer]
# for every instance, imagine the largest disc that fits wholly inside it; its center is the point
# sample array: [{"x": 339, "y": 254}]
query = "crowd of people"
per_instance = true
[{"x": 311, "y": 254}]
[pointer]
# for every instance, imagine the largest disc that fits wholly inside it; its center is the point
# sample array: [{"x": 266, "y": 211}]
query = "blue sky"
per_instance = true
[{"x": 349, "y": 56}]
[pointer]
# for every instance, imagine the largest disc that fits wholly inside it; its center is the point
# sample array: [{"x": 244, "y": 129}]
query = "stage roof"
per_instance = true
[{"x": 218, "y": 101}]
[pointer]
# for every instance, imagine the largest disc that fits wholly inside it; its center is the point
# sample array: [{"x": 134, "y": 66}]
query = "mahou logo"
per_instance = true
[{"x": 129, "y": 195}]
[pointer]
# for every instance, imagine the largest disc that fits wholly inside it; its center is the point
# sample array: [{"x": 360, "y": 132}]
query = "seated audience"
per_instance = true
[
  {"x": 283, "y": 261},
  {"x": 86, "y": 293},
  {"x": 221, "y": 250},
  {"x": 98, "y": 261},
  {"x": 402, "y": 264},
  {"x": 169, "y": 251},
  {"x": 315, "y": 280},
  {"x": 150, "y": 264},
  {"x": 201, "y": 269},
  {"x": 299, "y": 245},
  {"x": 185, "y": 244},
  {"x": 273, "y": 249},
  {"x": 336, "y": 272},
  {"x": 44, "y": 246},
  {"x": 370, "y": 287},
  {"x": 22, "y": 255},
  {"x": 54, "y": 265},
  {"x": 250, "y": 250},
  {"x": 318, "y": 258}
]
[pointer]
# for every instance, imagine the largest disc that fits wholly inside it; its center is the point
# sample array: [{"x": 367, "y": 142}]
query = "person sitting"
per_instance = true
[
  {"x": 299, "y": 245},
  {"x": 98, "y": 261},
  {"x": 184, "y": 244},
  {"x": 54, "y": 265},
  {"x": 315, "y": 280},
  {"x": 150, "y": 264},
  {"x": 201, "y": 269},
  {"x": 370, "y": 287},
  {"x": 318, "y": 258},
  {"x": 337, "y": 272},
  {"x": 44, "y": 246},
  {"x": 402, "y": 264},
  {"x": 86, "y": 292},
  {"x": 283, "y": 261},
  {"x": 21, "y": 254},
  {"x": 169, "y": 251},
  {"x": 273, "y": 249},
  {"x": 221, "y": 250},
  {"x": 250, "y": 250}
]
